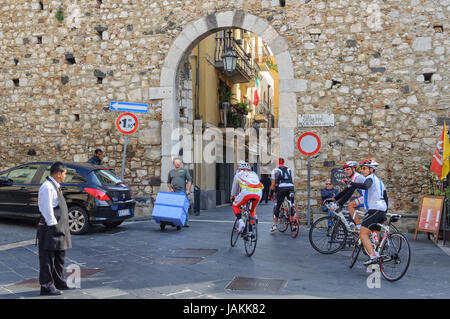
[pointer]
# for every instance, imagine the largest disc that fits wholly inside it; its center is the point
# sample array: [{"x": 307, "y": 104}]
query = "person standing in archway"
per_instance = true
[{"x": 177, "y": 179}]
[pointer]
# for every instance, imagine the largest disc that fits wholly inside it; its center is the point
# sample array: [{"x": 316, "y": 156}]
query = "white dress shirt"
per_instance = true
[{"x": 47, "y": 200}]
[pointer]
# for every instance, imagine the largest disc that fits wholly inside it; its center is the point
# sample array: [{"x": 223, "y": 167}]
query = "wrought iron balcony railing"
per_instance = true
[{"x": 245, "y": 67}]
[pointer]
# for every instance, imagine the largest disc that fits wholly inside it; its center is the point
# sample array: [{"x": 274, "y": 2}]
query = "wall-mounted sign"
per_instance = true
[{"x": 315, "y": 120}]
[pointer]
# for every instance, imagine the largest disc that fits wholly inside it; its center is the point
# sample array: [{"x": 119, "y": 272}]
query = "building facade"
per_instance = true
[{"x": 379, "y": 67}]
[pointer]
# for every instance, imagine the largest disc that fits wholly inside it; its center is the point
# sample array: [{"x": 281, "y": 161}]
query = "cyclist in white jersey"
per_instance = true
[
  {"x": 246, "y": 186},
  {"x": 375, "y": 202}
]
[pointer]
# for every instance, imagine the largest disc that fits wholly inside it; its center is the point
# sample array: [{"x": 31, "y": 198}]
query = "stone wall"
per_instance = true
[{"x": 380, "y": 66}]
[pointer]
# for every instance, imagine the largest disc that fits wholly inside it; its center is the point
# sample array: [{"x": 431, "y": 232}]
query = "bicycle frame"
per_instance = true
[{"x": 341, "y": 216}]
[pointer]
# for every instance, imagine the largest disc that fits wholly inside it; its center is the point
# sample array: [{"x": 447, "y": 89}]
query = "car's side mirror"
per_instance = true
[{"x": 5, "y": 181}]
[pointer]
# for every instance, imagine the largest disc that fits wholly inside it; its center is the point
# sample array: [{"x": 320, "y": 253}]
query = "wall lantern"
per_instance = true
[{"x": 229, "y": 56}]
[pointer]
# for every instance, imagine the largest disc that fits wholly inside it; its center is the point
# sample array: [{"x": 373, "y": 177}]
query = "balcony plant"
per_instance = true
[
  {"x": 241, "y": 108},
  {"x": 225, "y": 96}
]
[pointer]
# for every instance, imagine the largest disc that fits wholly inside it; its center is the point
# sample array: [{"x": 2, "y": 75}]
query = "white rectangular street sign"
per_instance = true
[
  {"x": 128, "y": 107},
  {"x": 315, "y": 120}
]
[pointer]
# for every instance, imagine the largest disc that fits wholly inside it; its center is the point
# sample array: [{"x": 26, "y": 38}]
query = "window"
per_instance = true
[
  {"x": 24, "y": 174},
  {"x": 72, "y": 177},
  {"x": 105, "y": 177}
]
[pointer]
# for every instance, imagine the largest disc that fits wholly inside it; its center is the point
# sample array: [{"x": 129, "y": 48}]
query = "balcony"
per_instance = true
[{"x": 245, "y": 68}]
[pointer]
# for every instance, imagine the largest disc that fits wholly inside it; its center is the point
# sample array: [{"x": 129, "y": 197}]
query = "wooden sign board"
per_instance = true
[{"x": 430, "y": 213}]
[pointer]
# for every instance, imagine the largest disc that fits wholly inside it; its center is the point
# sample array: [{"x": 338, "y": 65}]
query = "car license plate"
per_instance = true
[{"x": 124, "y": 212}]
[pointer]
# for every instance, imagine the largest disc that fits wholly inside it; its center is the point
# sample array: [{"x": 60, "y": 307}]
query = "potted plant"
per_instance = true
[{"x": 225, "y": 96}]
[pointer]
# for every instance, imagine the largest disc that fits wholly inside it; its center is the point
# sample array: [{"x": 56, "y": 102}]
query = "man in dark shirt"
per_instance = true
[
  {"x": 97, "y": 158},
  {"x": 265, "y": 180},
  {"x": 177, "y": 179}
]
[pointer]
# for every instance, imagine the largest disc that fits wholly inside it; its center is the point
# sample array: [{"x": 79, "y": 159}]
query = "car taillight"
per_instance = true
[{"x": 101, "y": 195}]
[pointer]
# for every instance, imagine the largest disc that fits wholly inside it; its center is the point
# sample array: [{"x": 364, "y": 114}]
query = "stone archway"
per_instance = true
[{"x": 191, "y": 35}]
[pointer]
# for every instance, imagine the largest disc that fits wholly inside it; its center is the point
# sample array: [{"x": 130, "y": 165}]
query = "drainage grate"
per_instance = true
[
  {"x": 34, "y": 282},
  {"x": 245, "y": 283},
  {"x": 178, "y": 260},
  {"x": 195, "y": 251}
]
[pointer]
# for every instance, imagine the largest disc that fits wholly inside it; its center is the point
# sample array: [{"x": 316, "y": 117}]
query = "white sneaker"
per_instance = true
[
  {"x": 274, "y": 228},
  {"x": 241, "y": 225},
  {"x": 372, "y": 260}
]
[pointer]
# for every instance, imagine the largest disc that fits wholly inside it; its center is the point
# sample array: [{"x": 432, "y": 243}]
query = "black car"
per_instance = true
[{"x": 94, "y": 194}]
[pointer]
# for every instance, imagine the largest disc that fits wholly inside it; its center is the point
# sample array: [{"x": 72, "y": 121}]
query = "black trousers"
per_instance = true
[
  {"x": 51, "y": 268},
  {"x": 266, "y": 192},
  {"x": 281, "y": 194}
]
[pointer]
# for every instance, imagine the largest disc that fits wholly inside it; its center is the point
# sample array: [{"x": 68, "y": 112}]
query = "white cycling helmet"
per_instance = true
[{"x": 243, "y": 165}]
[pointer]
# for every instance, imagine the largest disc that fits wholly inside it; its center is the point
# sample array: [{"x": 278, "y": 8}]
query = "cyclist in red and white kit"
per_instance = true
[{"x": 246, "y": 186}]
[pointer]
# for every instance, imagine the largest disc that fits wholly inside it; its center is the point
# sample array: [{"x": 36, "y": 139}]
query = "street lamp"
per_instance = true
[{"x": 229, "y": 56}]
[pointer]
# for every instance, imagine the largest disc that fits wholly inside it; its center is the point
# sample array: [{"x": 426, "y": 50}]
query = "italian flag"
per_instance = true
[{"x": 255, "y": 94}]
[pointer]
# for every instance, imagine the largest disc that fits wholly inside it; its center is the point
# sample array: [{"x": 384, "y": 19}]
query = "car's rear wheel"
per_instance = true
[{"x": 78, "y": 220}]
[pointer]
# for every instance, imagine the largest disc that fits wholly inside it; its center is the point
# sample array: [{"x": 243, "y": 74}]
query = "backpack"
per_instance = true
[{"x": 285, "y": 176}]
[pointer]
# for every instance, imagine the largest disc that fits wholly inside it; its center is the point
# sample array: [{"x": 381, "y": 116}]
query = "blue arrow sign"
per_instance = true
[{"x": 128, "y": 107}]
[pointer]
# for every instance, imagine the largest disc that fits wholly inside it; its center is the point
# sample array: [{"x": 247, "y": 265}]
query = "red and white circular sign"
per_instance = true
[
  {"x": 308, "y": 143},
  {"x": 127, "y": 123}
]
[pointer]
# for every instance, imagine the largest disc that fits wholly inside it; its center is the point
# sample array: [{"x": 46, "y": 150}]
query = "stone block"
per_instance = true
[
  {"x": 278, "y": 45},
  {"x": 260, "y": 27},
  {"x": 296, "y": 85},
  {"x": 169, "y": 110},
  {"x": 173, "y": 58},
  {"x": 285, "y": 67},
  {"x": 167, "y": 76},
  {"x": 249, "y": 22},
  {"x": 182, "y": 42},
  {"x": 201, "y": 26},
  {"x": 269, "y": 34},
  {"x": 225, "y": 19},
  {"x": 422, "y": 44},
  {"x": 156, "y": 93}
]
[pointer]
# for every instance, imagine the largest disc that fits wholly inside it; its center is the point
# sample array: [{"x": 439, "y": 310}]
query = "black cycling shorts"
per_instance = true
[{"x": 374, "y": 217}]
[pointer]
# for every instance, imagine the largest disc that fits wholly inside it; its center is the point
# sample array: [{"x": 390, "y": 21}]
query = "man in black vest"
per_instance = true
[
  {"x": 53, "y": 233},
  {"x": 283, "y": 185}
]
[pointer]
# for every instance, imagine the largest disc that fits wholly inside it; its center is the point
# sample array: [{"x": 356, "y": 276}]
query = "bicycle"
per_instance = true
[
  {"x": 329, "y": 234},
  {"x": 394, "y": 250},
  {"x": 288, "y": 216},
  {"x": 250, "y": 232}
]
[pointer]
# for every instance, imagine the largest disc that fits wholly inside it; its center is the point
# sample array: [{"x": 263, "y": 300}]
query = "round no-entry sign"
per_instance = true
[
  {"x": 308, "y": 143},
  {"x": 127, "y": 123}
]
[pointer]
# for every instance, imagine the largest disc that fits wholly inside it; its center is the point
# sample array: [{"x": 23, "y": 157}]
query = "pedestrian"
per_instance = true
[
  {"x": 177, "y": 179},
  {"x": 97, "y": 158},
  {"x": 53, "y": 233},
  {"x": 265, "y": 180},
  {"x": 328, "y": 192}
]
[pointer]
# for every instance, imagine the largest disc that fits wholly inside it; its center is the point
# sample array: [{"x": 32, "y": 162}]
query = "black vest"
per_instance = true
[
  {"x": 56, "y": 237},
  {"x": 285, "y": 176}
]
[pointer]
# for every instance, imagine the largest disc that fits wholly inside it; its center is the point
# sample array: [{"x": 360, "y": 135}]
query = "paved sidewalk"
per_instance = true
[{"x": 138, "y": 260}]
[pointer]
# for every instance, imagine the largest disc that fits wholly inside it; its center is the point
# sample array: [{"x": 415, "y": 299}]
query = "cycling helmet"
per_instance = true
[
  {"x": 352, "y": 164},
  {"x": 369, "y": 163},
  {"x": 243, "y": 165}
]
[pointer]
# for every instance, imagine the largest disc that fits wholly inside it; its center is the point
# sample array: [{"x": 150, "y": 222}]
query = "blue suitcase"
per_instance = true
[{"x": 170, "y": 209}]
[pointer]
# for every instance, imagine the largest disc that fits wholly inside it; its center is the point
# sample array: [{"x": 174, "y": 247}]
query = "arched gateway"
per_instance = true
[{"x": 192, "y": 34}]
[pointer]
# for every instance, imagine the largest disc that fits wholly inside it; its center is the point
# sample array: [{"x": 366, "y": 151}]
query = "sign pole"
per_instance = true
[
  {"x": 309, "y": 190},
  {"x": 309, "y": 144},
  {"x": 124, "y": 156}
]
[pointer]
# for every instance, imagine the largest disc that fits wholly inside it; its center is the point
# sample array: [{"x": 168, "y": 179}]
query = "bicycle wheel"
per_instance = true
[
  {"x": 395, "y": 255},
  {"x": 283, "y": 220},
  {"x": 235, "y": 233},
  {"x": 327, "y": 239},
  {"x": 294, "y": 222},
  {"x": 251, "y": 238},
  {"x": 355, "y": 254}
]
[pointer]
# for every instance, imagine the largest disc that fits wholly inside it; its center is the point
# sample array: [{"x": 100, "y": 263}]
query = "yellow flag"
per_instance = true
[{"x": 446, "y": 155}]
